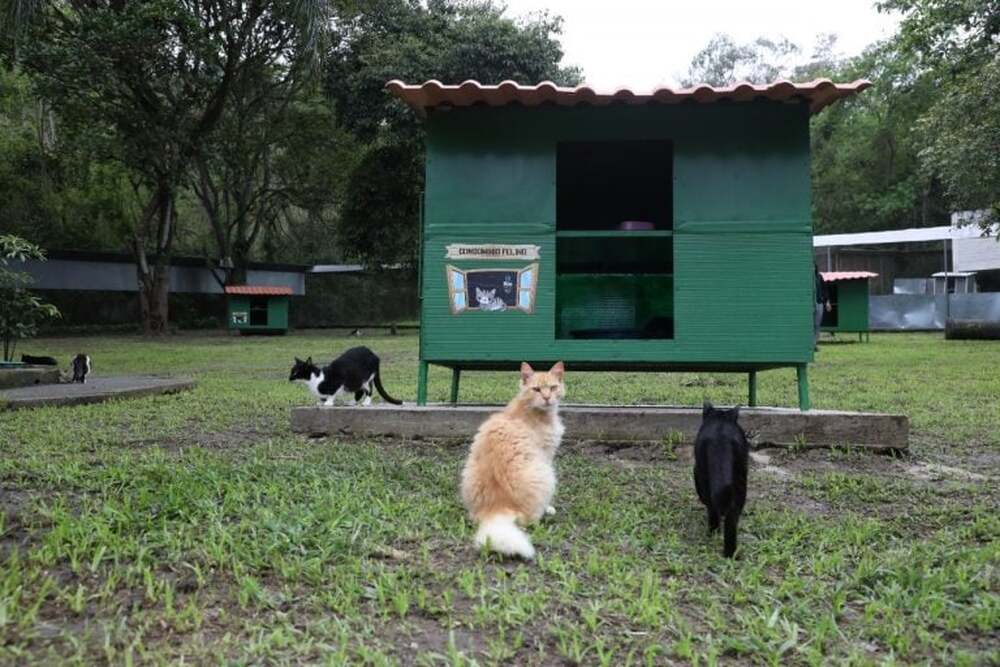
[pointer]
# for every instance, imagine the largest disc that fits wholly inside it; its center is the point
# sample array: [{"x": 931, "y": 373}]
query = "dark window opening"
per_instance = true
[
  {"x": 602, "y": 184},
  {"x": 614, "y": 241},
  {"x": 258, "y": 311}
]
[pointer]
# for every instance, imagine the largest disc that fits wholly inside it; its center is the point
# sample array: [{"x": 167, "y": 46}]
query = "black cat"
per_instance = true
[
  {"x": 355, "y": 371},
  {"x": 38, "y": 361},
  {"x": 721, "y": 458},
  {"x": 81, "y": 368}
]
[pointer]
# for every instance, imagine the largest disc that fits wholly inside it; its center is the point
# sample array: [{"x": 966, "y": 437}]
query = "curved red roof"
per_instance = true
[
  {"x": 258, "y": 290},
  {"x": 819, "y": 93},
  {"x": 833, "y": 276}
]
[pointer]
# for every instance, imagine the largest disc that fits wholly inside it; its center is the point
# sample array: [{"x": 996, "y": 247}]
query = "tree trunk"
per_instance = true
[
  {"x": 154, "y": 290},
  {"x": 154, "y": 280},
  {"x": 238, "y": 274}
]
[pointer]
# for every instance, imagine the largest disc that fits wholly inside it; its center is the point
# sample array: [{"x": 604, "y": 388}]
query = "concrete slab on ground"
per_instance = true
[
  {"x": 96, "y": 390},
  {"x": 12, "y": 378},
  {"x": 778, "y": 426}
]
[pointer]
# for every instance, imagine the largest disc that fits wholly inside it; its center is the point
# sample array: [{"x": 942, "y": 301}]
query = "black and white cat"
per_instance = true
[
  {"x": 38, "y": 361},
  {"x": 81, "y": 368},
  {"x": 354, "y": 372}
]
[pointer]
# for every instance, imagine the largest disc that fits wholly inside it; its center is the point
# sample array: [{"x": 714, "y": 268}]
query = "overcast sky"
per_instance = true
[{"x": 643, "y": 43}]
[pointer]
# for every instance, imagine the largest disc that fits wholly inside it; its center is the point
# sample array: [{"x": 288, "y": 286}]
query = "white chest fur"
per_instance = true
[
  {"x": 314, "y": 381},
  {"x": 553, "y": 437}
]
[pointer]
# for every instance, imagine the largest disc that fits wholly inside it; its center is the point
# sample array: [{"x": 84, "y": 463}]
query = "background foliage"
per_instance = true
[{"x": 309, "y": 160}]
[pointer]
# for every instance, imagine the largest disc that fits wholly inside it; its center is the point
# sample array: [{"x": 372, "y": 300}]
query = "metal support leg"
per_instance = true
[
  {"x": 422, "y": 383},
  {"x": 802, "y": 370},
  {"x": 752, "y": 399},
  {"x": 455, "y": 373}
]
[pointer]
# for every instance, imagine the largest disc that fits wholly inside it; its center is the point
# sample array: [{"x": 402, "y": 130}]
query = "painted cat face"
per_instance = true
[
  {"x": 485, "y": 297},
  {"x": 543, "y": 389}
]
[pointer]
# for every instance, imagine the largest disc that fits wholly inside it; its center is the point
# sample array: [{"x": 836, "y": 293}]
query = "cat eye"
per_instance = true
[
  {"x": 554, "y": 387},
  {"x": 537, "y": 388}
]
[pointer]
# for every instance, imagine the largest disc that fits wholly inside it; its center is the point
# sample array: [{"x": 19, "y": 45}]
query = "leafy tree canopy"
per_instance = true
[
  {"x": 445, "y": 40},
  {"x": 403, "y": 39},
  {"x": 956, "y": 44}
]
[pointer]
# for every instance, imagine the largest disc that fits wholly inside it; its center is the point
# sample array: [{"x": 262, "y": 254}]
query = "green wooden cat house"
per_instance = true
[
  {"x": 848, "y": 292},
  {"x": 257, "y": 309},
  {"x": 667, "y": 231}
]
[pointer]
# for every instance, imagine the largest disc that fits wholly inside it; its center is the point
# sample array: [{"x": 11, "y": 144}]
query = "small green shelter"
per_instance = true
[
  {"x": 667, "y": 231},
  {"x": 848, "y": 292},
  {"x": 257, "y": 309}
]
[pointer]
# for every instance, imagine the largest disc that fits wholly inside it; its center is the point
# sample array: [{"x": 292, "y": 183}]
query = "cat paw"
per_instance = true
[{"x": 550, "y": 510}]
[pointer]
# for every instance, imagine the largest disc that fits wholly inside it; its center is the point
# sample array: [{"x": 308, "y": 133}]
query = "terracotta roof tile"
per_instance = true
[
  {"x": 259, "y": 290},
  {"x": 819, "y": 93},
  {"x": 833, "y": 276}
]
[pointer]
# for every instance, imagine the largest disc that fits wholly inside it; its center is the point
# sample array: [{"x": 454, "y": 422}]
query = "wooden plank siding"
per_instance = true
[{"x": 742, "y": 248}]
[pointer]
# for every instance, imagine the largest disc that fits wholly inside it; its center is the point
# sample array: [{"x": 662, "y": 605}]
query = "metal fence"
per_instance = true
[{"x": 914, "y": 312}]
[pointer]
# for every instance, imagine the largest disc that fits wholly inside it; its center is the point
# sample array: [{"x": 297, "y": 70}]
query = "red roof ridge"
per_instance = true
[
  {"x": 833, "y": 276},
  {"x": 258, "y": 290},
  {"x": 819, "y": 92}
]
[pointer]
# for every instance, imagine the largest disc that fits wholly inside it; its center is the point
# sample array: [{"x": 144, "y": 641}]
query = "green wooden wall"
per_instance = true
[
  {"x": 277, "y": 313},
  {"x": 742, "y": 246},
  {"x": 851, "y": 302}
]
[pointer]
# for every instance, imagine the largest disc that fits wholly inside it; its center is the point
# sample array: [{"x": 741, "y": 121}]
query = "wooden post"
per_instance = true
[
  {"x": 752, "y": 399},
  {"x": 455, "y": 373},
  {"x": 802, "y": 371},
  {"x": 422, "y": 383}
]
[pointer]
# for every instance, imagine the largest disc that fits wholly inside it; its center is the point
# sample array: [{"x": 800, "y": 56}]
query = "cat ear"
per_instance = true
[
  {"x": 526, "y": 371},
  {"x": 297, "y": 360},
  {"x": 735, "y": 413},
  {"x": 706, "y": 409},
  {"x": 309, "y": 360},
  {"x": 558, "y": 370}
]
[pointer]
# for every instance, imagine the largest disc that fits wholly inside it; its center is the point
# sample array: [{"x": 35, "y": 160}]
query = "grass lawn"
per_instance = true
[{"x": 198, "y": 528}]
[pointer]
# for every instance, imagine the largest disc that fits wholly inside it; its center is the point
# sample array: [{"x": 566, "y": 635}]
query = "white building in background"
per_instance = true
[
  {"x": 972, "y": 254},
  {"x": 949, "y": 288}
]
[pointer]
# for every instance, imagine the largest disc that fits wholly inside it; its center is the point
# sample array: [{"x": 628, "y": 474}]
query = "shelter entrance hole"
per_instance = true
[
  {"x": 614, "y": 240},
  {"x": 258, "y": 311}
]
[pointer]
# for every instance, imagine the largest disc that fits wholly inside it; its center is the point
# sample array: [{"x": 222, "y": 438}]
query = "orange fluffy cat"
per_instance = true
[{"x": 509, "y": 478}]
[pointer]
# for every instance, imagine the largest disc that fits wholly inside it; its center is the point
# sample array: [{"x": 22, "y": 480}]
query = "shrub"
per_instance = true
[{"x": 20, "y": 311}]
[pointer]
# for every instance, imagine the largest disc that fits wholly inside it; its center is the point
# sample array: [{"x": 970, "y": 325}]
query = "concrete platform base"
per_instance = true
[
  {"x": 27, "y": 376},
  {"x": 774, "y": 426},
  {"x": 96, "y": 390}
]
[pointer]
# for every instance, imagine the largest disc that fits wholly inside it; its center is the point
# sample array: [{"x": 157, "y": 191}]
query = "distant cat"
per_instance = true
[
  {"x": 355, "y": 371},
  {"x": 81, "y": 368},
  {"x": 488, "y": 300},
  {"x": 38, "y": 361},
  {"x": 509, "y": 477},
  {"x": 721, "y": 456}
]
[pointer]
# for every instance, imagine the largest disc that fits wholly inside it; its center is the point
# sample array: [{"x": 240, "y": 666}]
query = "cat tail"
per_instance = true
[
  {"x": 381, "y": 390},
  {"x": 499, "y": 533}
]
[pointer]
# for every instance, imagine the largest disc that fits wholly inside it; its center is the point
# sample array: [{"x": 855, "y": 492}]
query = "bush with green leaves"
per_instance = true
[{"x": 20, "y": 311}]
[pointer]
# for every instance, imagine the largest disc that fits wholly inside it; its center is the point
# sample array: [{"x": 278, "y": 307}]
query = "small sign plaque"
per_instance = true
[{"x": 491, "y": 251}]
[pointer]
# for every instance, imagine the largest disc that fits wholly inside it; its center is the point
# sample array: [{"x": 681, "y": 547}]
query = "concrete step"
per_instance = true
[{"x": 766, "y": 426}]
